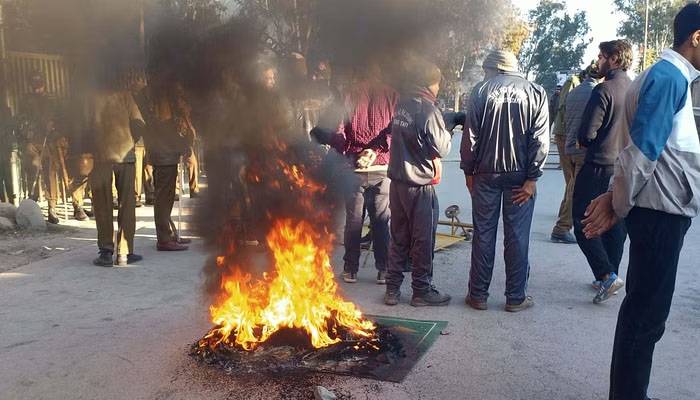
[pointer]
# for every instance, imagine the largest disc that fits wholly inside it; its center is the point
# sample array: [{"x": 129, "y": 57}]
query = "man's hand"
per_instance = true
[
  {"x": 600, "y": 216},
  {"x": 523, "y": 194},
  {"x": 366, "y": 158},
  {"x": 470, "y": 183}
]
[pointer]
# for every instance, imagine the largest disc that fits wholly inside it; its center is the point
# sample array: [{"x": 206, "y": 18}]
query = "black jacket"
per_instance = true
[
  {"x": 603, "y": 127},
  {"x": 507, "y": 127},
  {"x": 418, "y": 136}
]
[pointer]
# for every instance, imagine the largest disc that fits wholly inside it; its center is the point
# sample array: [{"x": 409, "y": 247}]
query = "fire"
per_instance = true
[{"x": 300, "y": 293}]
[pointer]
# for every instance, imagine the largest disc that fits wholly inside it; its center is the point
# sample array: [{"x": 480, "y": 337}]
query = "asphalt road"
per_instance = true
[{"x": 69, "y": 330}]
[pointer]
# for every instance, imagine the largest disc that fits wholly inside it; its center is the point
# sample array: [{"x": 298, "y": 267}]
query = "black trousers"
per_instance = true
[
  {"x": 371, "y": 189},
  {"x": 656, "y": 240},
  {"x": 414, "y": 217},
  {"x": 605, "y": 252}
]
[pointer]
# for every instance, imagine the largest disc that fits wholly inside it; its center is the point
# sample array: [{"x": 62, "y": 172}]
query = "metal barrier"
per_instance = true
[{"x": 20, "y": 67}]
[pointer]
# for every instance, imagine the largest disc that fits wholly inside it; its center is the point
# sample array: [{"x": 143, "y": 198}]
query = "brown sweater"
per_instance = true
[{"x": 111, "y": 114}]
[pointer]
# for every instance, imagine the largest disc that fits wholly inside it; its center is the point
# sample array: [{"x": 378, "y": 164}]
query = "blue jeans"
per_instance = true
[{"x": 491, "y": 191}]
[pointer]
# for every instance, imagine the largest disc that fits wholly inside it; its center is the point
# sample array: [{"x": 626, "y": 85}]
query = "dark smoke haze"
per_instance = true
[{"x": 246, "y": 129}]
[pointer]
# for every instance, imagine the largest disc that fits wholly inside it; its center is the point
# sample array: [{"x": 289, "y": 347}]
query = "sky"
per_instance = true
[{"x": 601, "y": 18}]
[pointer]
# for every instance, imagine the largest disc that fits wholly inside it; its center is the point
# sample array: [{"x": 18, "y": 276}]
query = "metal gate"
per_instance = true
[{"x": 21, "y": 66}]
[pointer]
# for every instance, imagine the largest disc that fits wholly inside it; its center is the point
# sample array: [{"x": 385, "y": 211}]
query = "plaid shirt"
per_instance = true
[{"x": 370, "y": 110}]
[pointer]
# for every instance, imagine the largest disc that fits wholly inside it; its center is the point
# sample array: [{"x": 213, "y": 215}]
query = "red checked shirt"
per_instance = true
[{"x": 370, "y": 110}]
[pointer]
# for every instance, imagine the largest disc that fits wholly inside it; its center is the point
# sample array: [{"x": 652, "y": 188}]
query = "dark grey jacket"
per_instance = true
[
  {"x": 576, "y": 102},
  {"x": 507, "y": 127},
  {"x": 418, "y": 137},
  {"x": 603, "y": 128}
]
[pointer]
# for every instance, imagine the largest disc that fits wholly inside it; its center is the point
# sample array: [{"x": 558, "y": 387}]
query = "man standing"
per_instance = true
[
  {"x": 40, "y": 150},
  {"x": 8, "y": 145},
  {"x": 655, "y": 188},
  {"x": 420, "y": 141},
  {"x": 505, "y": 145},
  {"x": 561, "y": 233},
  {"x": 364, "y": 140},
  {"x": 571, "y": 155},
  {"x": 112, "y": 114},
  {"x": 169, "y": 126},
  {"x": 602, "y": 133}
]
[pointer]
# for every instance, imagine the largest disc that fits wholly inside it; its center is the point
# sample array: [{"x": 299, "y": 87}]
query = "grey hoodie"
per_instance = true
[{"x": 418, "y": 138}]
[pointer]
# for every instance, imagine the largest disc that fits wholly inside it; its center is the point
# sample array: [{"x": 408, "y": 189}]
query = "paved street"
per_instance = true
[{"x": 69, "y": 330}]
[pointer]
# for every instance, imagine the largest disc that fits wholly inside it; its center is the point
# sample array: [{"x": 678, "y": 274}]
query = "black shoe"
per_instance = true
[
  {"x": 129, "y": 259},
  {"x": 80, "y": 214},
  {"x": 350, "y": 277},
  {"x": 381, "y": 277},
  {"x": 138, "y": 203},
  {"x": 391, "y": 298},
  {"x": 89, "y": 213},
  {"x": 104, "y": 259},
  {"x": 193, "y": 194},
  {"x": 566, "y": 238},
  {"x": 177, "y": 197},
  {"x": 52, "y": 217},
  {"x": 430, "y": 298}
]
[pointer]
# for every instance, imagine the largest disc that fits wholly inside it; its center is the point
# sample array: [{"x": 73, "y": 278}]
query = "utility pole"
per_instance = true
[
  {"x": 458, "y": 87},
  {"x": 646, "y": 34}
]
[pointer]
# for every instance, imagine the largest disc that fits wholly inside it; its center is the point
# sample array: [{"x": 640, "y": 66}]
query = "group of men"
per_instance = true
[
  {"x": 590, "y": 129},
  {"x": 630, "y": 152},
  {"x": 118, "y": 134}
]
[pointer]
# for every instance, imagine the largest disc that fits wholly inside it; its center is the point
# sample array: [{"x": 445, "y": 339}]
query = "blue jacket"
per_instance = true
[{"x": 659, "y": 168}]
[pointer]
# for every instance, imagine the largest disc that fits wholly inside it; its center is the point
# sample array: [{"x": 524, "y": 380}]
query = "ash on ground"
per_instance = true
[{"x": 289, "y": 352}]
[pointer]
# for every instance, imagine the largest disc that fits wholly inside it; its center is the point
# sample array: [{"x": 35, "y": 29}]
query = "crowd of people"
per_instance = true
[
  {"x": 629, "y": 151},
  {"x": 128, "y": 137}
]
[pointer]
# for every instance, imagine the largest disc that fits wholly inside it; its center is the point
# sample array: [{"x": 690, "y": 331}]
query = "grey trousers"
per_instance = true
[
  {"x": 371, "y": 189},
  {"x": 490, "y": 192},
  {"x": 414, "y": 217}
]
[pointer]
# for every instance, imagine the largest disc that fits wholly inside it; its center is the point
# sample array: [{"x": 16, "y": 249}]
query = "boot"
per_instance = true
[
  {"x": 430, "y": 298},
  {"x": 80, "y": 214},
  {"x": 52, "y": 216},
  {"x": 104, "y": 259}
]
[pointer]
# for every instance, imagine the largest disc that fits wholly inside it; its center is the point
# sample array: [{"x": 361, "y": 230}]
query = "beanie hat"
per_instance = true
[{"x": 501, "y": 60}]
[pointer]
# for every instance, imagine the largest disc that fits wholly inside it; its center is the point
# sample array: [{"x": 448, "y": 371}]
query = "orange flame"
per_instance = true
[{"x": 301, "y": 293}]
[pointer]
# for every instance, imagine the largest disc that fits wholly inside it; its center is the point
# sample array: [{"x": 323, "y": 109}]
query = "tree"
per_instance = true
[
  {"x": 661, "y": 14},
  {"x": 516, "y": 34},
  {"x": 290, "y": 25},
  {"x": 558, "y": 42},
  {"x": 471, "y": 28},
  {"x": 195, "y": 15}
]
